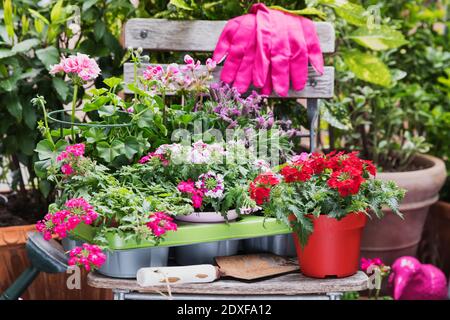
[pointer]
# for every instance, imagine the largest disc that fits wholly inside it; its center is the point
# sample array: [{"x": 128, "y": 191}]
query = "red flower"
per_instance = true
[
  {"x": 267, "y": 179},
  {"x": 260, "y": 188},
  {"x": 318, "y": 162},
  {"x": 259, "y": 194},
  {"x": 295, "y": 174},
  {"x": 346, "y": 181},
  {"x": 369, "y": 167}
]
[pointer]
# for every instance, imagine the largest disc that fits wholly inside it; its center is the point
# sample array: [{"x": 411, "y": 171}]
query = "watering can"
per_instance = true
[{"x": 45, "y": 256}]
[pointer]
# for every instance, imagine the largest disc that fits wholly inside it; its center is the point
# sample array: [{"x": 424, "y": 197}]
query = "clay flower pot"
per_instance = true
[
  {"x": 392, "y": 237},
  {"x": 207, "y": 217},
  {"x": 333, "y": 247}
]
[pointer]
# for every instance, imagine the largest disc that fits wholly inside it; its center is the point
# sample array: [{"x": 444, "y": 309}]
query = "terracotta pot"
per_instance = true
[
  {"x": 392, "y": 237},
  {"x": 333, "y": 247},
  {"x": 435, "y": 243},
  {"x": 207, "y": 217},
  {"x": 14, "y": 260}
]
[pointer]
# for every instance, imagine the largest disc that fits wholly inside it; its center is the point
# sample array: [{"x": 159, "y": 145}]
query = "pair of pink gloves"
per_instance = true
[{"x": 269, "y": 48}]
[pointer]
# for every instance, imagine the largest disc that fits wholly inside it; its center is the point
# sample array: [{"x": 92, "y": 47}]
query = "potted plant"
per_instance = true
[
  {"x": 325, "y": 198},
  {"x": 395, "y": 114}
]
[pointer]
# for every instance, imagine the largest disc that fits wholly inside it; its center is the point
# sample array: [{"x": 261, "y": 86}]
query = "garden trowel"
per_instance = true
[{"x": 244, "y": 267}]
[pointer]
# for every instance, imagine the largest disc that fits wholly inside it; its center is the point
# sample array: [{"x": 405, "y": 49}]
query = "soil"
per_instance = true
[{"x": 21, "y": 209}]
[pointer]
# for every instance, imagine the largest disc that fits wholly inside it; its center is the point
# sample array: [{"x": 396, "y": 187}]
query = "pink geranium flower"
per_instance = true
[{"x": 78, "y": 65}]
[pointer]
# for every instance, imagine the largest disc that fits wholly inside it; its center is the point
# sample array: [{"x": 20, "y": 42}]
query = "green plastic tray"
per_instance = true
[{"x": 190, "y": 233}]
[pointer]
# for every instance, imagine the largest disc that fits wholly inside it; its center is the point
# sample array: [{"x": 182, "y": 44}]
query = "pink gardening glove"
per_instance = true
[
  {"x": 237, "y": 42},
  {"x": 282, "y": 45}
]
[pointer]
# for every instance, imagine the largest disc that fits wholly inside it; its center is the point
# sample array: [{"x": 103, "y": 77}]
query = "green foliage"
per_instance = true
[
  {"x": 410, "y": 113},
  {"x": 32, "y": 38}
]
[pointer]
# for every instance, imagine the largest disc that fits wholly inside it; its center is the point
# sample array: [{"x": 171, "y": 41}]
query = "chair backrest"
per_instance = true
[{"x": 202, "y": 36}]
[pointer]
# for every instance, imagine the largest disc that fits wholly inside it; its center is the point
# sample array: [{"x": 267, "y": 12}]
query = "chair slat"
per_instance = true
[
  {"x": 317, "y": 86},
  {"x": 194, "y": 35}
]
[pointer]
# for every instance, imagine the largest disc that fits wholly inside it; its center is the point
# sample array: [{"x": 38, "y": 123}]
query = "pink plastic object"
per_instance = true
[
  {"x": 285, "y": 43},
  {"x": 237, "y": 43},
  {"x": 412, "y": 280},
  {"x": 270, "y": 48},
  {"x": 207, "y": 217}
]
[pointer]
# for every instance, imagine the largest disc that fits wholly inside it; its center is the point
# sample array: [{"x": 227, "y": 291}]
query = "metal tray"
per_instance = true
[
  {"x": 126, "y": 263},
  {"x": 282, "y": 245},
  {"x": 202, "y": 253}
]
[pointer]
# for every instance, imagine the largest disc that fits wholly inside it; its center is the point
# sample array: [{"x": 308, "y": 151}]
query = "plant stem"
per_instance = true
[
  {"x": 47, "y": 129},
  {"x": 164, "y": 107},
  {"x": 74, "y": 102}
]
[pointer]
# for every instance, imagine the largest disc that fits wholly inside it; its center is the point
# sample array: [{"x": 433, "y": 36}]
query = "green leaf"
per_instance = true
[
  {"x": 145, "y": 120},
  {"x": 57, "y": 12},
  {"x": 87, "y": 4},
  {"x": 367, "y": 67},
  {"x": 8, "y": 18},
  {"x": 39, "y": 16},
  {"x": 45, "y": 187},
  {"x": 380, "y": 38},
  {"x": 96, "y": 104},
  {"x": 353, "y": 13},
  {"x": 181, "y": 4},
  {"x": 99, "y": 29},
  {"x": 109, "y": 152},
  {"x": 9, "y": 84},
  {"x": 40, "y": 167},
  {"x": 112, "y": 81},
  {"x": 25, "y": 45},
  {"x": 106, "y": 110},
  {"x": 5, "y": 53},
  {"x": 61, "y": 87},
  {"x": 29, "y": 116},
  {"x": 48, "y": 56},
  {"x": 132, "y": 147},
  {"x": 94, "y": 135},
  {"x": 46, "y": 150},
  {"x": 14, "y": 106},
  {"x": 303, "y": 12}
]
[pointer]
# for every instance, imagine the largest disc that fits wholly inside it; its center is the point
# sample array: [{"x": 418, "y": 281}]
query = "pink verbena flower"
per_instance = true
[
  {"x": 160, "y": 223},
  {"x": 67, "y": 169},
  {"x": 80, "y": 65},
  {"x": 154, "y": 155},
  {"x": 190, "y": 188},
  {"x": 186, "y": 186},
  {"x": 63, "y": 221},
  {"x": 366, "y": 263},
  {"x": 88, "y": 256}
]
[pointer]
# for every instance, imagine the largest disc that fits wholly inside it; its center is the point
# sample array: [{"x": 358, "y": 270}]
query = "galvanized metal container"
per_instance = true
[
  {"x": 282, "y": 244},
  {"x": 201, "y": 253},
  {"x": 126, "y": 263}
]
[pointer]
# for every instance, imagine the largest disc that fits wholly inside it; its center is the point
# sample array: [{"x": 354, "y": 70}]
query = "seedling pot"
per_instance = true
[{"x": 333, "y": 247}]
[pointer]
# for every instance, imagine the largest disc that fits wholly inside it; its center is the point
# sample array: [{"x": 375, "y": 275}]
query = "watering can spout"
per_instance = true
[
  {"x": 45, "y": 256},
  {"x": 20, "y": 285}
]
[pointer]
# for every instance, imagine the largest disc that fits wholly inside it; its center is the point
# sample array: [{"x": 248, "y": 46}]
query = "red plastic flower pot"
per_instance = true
[{"x": 333, "y": 247}]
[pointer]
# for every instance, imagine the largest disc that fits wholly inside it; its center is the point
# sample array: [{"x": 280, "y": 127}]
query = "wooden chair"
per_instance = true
[{"x": 202, "y": 36}]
